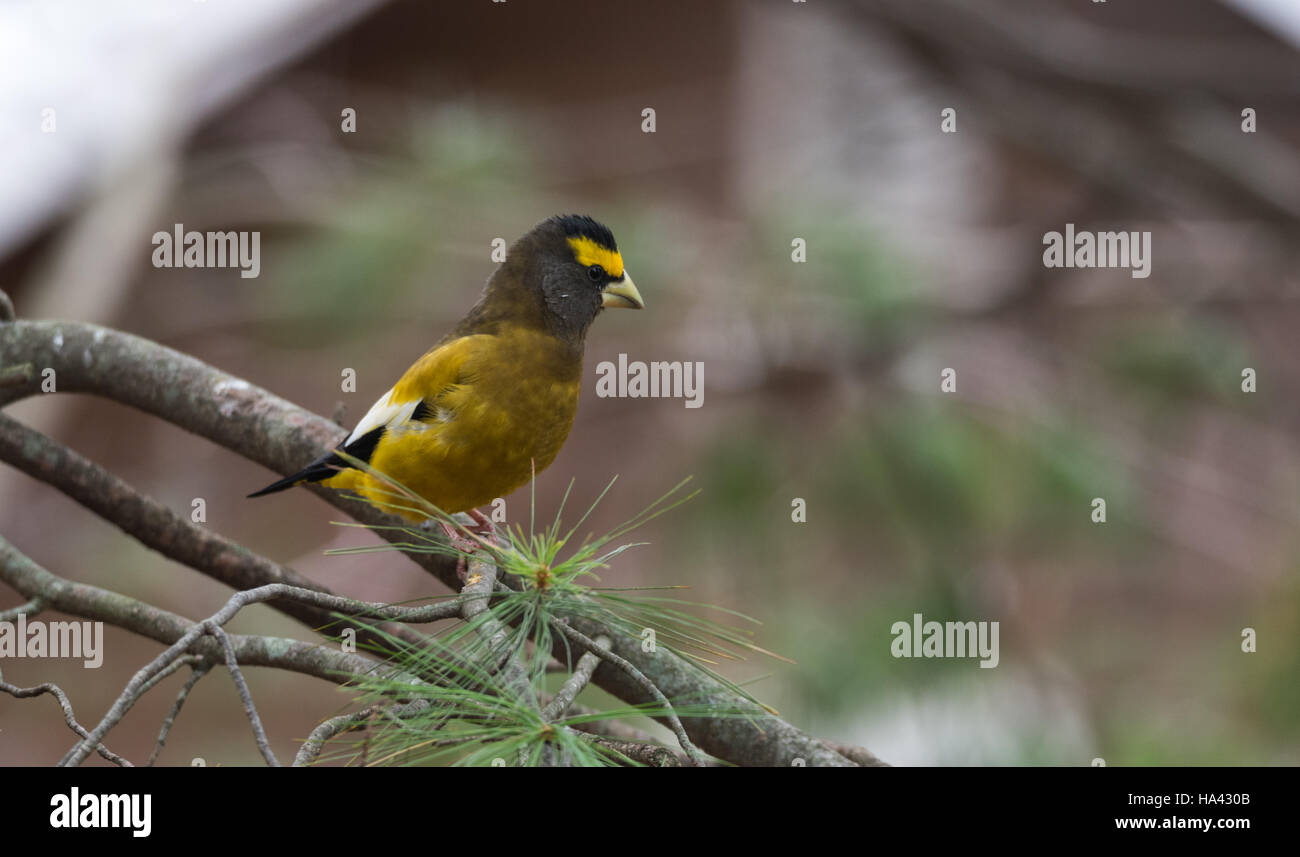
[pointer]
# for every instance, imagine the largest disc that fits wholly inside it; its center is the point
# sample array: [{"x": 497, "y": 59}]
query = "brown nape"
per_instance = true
[{"x": 513, "y": 294}]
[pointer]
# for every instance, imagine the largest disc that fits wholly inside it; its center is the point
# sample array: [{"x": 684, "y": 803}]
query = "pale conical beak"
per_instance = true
[{"x": 622, "y": 295}]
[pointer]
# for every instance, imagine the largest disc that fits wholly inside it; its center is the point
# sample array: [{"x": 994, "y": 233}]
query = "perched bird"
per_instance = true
[{"x": 493, "y": 401}]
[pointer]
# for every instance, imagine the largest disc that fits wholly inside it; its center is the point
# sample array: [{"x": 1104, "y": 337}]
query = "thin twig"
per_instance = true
[
  {"x": 574, "y": 684},
  {"x": 337, "y": 725},
  {"x": 651, "y": 755},
  {"x": 201, "y": 669},
  {"x": 31, "y": 608},
  {"x": 311, "y": 748},
  {"x": 646, "y": 684},
  {"x": 186, "y": 660},
  {"x": 609, "y": 728},
  {"x": 232, "y": 664},
  {"x": 68, "y": 716}
]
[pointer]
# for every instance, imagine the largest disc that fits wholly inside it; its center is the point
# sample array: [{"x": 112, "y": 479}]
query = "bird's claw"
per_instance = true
[
  {"x": 465, "y": 545},
  {"x": 483, "y": 526}
]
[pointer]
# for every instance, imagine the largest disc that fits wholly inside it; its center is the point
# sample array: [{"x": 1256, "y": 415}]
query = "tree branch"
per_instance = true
[
  {"x": 174, "y": 536},
  {"x": 91, "y": 602},
  {"x": 479, "y": 585},
  {"x": 271, "y": 431},
  {"x": 212, "y": 626}
]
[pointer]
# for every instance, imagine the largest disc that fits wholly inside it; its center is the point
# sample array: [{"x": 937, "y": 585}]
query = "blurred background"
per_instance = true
[{"x": 773, "y": 121}]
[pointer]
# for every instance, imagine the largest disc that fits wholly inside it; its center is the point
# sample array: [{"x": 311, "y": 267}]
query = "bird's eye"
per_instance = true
[{"x": 596, "y": 273}]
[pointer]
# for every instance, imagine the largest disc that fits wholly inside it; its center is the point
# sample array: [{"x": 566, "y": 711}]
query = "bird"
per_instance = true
[{"x": 493, "y": 401}]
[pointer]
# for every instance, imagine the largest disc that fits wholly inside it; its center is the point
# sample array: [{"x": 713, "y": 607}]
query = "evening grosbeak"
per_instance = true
[{"x": 493, "y": 401}]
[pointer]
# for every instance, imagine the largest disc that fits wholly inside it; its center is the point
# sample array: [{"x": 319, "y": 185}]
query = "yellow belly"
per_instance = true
[{"x": 500, "y": 425}]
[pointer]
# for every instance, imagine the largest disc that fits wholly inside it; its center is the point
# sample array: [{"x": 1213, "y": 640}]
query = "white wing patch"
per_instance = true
[{"x": 383, "y": 413}]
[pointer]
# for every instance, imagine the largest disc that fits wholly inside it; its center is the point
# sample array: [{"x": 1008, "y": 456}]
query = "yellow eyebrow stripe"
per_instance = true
[{"x": 588, "y": 252}]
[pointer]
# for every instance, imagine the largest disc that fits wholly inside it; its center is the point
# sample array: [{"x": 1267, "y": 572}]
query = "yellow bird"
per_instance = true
[{"x": 496, "y": 397}]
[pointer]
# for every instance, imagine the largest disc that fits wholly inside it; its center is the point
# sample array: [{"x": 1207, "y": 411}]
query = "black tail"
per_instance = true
[
  {"x": 314, "y": 472},
  {"x": 328, "y": 464}
]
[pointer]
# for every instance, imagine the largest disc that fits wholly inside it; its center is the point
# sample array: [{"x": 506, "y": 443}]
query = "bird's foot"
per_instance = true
[
  {"x": 463, "y": 547},
  {"x": 483, "y": 525},
  {"x": 464, "y": 544}
]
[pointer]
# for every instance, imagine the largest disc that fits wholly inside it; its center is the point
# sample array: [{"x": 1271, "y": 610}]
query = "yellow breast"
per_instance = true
[{"x": 508, "y": 411}]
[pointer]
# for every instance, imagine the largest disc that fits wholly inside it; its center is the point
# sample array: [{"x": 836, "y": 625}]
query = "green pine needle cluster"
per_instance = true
[{"x": 464, "y": 711}]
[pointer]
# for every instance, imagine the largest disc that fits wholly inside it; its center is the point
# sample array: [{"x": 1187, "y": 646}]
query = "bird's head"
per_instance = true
[{"x": 570, "y": 267}]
